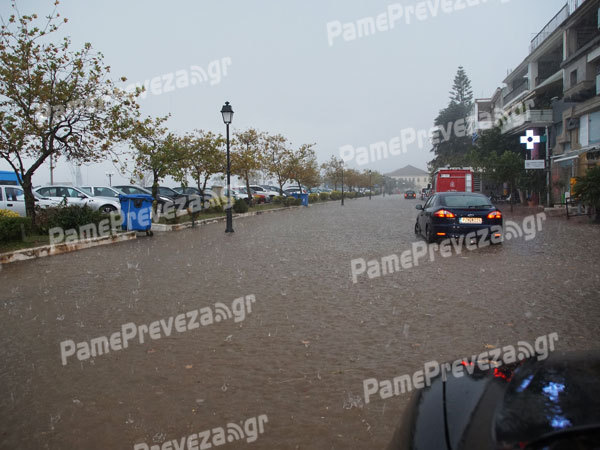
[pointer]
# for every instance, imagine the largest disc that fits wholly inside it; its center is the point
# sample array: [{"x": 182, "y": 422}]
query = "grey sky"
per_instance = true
[{"x": 285, "y": 78}]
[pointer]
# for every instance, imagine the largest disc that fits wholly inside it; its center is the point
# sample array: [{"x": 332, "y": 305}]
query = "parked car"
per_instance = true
[
  {"x": 101, "y": 191},
  {"x": 235, "y": 194},
  {"x": 270, "y": 187},
  {"x": 12, "y": 198},
  {"x": 454, "y": 214},
  {"x": 410, "y": 194},
  {"x": 129, "y": 189},
  {"x": 262, "y": 190},
  {"x": 294, "y": 190},
  {"x": 180, "y": 199},
  {"x": 258, "y": 197},
  {"x": 75, "y": 196},
  {"x": 209, "y": 197}
]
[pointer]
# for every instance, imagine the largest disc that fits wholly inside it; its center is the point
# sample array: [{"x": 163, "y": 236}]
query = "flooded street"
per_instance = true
[{"x": 300, "y": 355}]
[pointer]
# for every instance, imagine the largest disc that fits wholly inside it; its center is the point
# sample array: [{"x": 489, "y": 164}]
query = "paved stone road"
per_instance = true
[{"x": 300, "y": 356}]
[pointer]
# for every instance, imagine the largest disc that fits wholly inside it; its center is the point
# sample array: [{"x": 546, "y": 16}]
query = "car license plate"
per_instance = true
[{"x": 470, "y": 220}]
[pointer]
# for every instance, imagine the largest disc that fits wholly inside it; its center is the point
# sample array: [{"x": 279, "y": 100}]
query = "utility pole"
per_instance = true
[
  {"x": 51, "y": 171},
  {"x": 547, "y": 169}
]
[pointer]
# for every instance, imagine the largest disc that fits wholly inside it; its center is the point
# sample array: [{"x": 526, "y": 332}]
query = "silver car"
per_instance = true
[
  {"x": 101, "y": 191},
  {"x": 75, "y": 196}
]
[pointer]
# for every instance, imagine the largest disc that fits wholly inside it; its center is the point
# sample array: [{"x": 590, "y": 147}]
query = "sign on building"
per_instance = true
[{"x": 535, "y": 164}]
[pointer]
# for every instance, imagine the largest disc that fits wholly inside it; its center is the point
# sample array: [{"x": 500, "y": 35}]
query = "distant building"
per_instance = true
[{"x": 411, "y": 174}]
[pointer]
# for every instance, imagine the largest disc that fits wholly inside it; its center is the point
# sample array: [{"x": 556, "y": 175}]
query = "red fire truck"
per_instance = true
[{"x": 453, "y": 179}]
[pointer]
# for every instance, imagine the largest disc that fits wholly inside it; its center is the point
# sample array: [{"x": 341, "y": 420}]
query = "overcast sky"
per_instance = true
[{"x": 282, "y": 74}]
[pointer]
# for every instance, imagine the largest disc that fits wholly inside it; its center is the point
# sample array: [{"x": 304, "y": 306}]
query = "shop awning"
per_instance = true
[{"x": 573, "y": 153}]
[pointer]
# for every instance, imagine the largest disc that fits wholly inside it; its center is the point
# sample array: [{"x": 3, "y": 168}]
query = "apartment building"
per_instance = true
[{"x": 555, "y": 92}]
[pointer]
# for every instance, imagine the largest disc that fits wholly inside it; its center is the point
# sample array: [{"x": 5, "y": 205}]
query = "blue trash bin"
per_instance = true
[
  {"x": 136, "y": 210},
  {"x": 304, "y": 198}
]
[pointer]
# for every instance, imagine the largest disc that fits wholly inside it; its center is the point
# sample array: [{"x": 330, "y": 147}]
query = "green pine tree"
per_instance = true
[
  {"x": 461, "y": 92},
  {"x": 452, "y": 147}
]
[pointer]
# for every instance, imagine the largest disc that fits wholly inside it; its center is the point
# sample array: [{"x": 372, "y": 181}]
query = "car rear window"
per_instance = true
[{"x": 464, "y": 201}]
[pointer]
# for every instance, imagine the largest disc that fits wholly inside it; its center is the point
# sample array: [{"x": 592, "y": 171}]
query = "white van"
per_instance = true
[{"x": 13, "y": 198}]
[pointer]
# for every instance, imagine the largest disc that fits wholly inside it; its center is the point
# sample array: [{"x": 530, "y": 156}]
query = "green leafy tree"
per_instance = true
[
  {"x": 587, "y": 189},
  {"x": 247, "y": 157},
  {"x": 332, "y": 171},
  {"x": 508, "y": 167},
  {"x": 157, "y": 151},
  {"x": 277, "y": 158},
  {"x": 303, "y": 167},
  {"x": 203, "y": 157},
  {"x": 54, "y": 101}
]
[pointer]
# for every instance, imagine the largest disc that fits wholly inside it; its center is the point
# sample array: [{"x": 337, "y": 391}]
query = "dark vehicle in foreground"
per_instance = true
[
  {"x": 410, "y": 194},
  {"x": 455, "y": 214},
  {"x": 530, "y": 404}
]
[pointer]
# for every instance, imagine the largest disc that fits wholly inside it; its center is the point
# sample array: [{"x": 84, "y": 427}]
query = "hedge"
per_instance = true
[
  {"x": 240, "y": 206},
  {"x": 14, "y": 228},
  {"x": 67, "y": 217}
]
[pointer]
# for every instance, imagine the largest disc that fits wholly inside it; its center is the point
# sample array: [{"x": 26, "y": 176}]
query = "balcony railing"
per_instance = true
[
  {"x": 574, "y": 4},
  {"x": 554, "y": 23},
  {"x": 531, "y": 117},
  {"x": 516, "y": 92},
  {"x": 551, "y": 26}
]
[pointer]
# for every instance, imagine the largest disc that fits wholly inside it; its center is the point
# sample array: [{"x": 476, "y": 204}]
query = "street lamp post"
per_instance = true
[
  {"x": 369, "y": 185},
  {"x": 110, "y": 175},
  {"x": 227, "y": 113}
]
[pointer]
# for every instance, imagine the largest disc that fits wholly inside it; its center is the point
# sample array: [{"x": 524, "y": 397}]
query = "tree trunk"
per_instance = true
[
  {"x": 29, "y": 198},
  {"x": 155, "y": 190},
  {"x": 201, "y": 189},
  {"x": 247, "y": 177}
]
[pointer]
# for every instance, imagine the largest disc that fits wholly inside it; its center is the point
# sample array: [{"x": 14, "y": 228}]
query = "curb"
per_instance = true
[
  {"x": 160, "y": 227},
  {"x": 58, "y": 249}
]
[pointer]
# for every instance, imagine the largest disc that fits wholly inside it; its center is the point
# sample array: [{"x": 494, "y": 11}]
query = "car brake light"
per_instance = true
[
  {"x": 444, "y": 213},
  {"x": 495, "y": 215}
]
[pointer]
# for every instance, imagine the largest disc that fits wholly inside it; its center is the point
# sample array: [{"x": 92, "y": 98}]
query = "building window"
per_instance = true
[
  {"x": 583, "y": 130},
  {"x": 574, "y": 78},
  {"x": 594, "y": 128}
]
